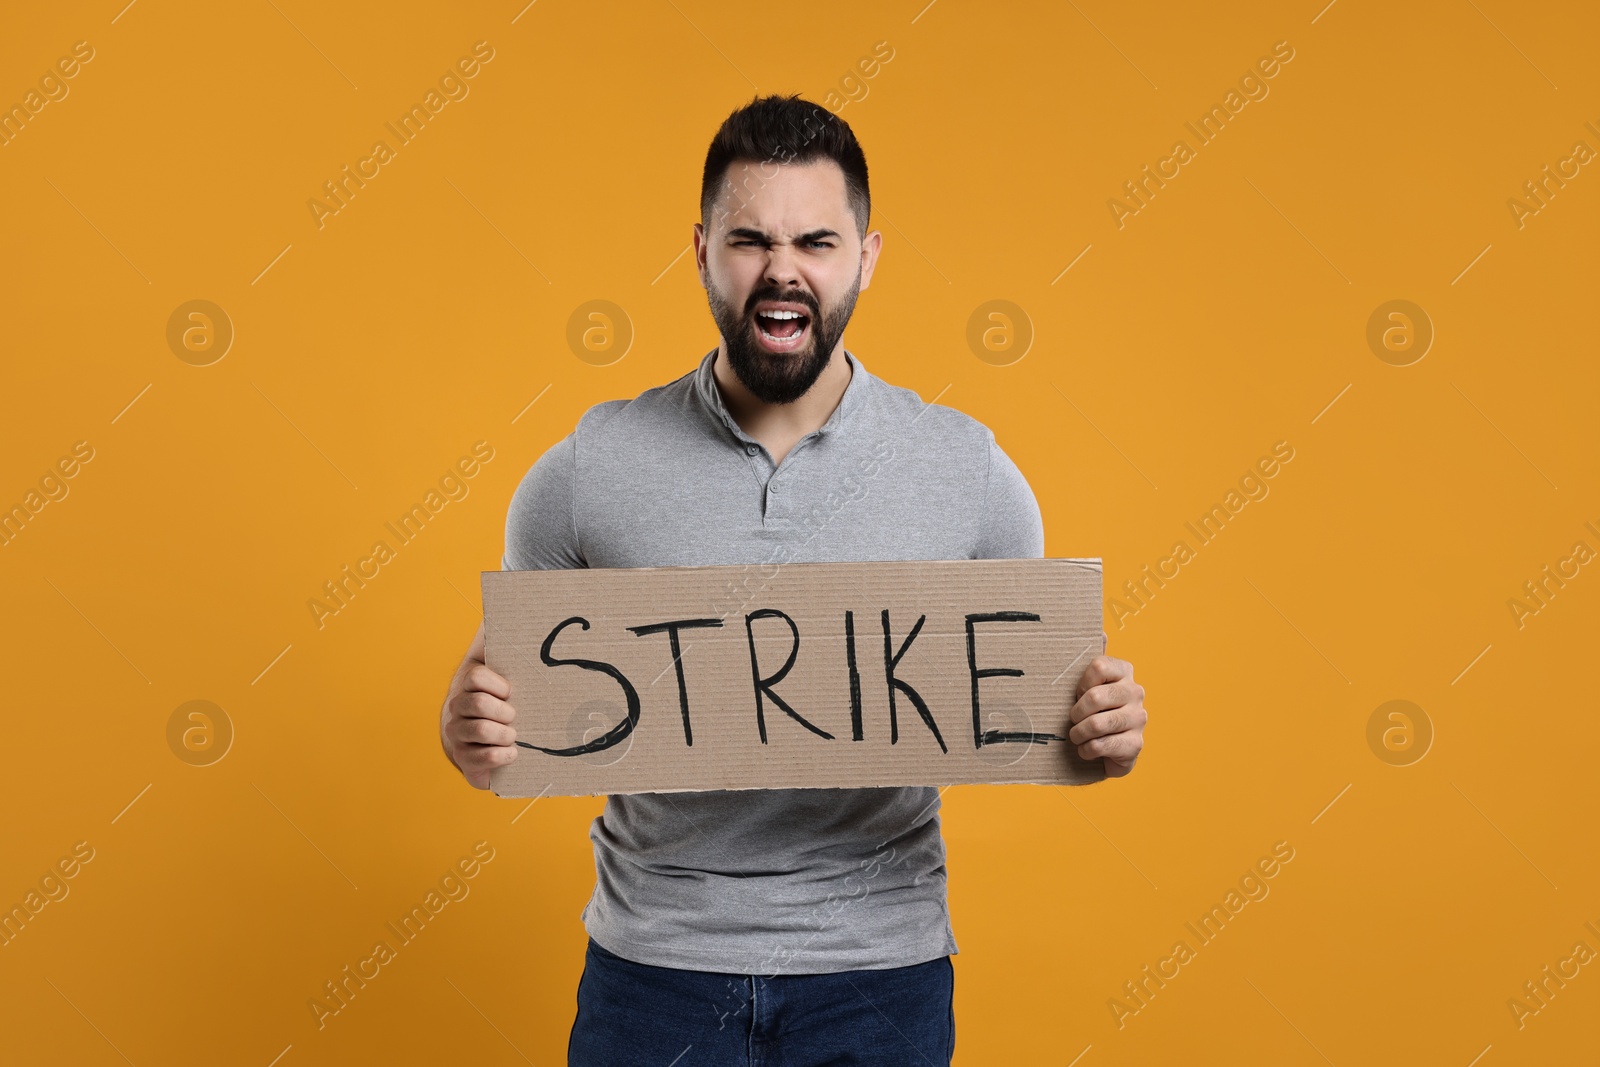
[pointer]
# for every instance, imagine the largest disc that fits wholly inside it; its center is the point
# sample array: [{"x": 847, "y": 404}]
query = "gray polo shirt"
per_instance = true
[{"x": 770, "y": 881}]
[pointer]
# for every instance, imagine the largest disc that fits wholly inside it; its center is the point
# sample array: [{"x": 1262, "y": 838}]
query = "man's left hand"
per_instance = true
[{"x": 1109, "y": 715}]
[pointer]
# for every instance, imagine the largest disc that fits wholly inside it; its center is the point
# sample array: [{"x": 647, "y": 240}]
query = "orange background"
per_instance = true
[{"x": 1228, "y": 314}]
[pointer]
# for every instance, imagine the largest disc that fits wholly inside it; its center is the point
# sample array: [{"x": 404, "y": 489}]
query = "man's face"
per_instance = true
[{"x": 782, "y": 266}]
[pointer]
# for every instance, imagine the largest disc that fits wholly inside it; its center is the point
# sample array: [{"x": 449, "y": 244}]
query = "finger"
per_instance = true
[
  {"x": 1101, "y": 697},
  {"x": 483, "y": 680},
  {"x": 1103, "y": 669},
  {"x": 1098, "y": 725},
  {"x": 482, "y": 732},
  {"x": 486, "y": 757},
  {"x": 1118, "y": 746},
  {"x": 475, "y": 705}
]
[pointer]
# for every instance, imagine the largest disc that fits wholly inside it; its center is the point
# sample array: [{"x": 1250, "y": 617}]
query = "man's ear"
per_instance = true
[
  {"x": 871, "y": 245},
  {"x": 698, "y": 240}
]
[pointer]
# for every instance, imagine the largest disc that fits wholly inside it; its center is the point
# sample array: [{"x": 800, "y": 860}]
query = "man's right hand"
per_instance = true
[{"x": 475, "y": 726}]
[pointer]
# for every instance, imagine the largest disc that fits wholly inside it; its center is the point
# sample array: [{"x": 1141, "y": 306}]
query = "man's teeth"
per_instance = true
[
  {"x": 780, "y": 340},
  {"x": 781, "y": 315}
]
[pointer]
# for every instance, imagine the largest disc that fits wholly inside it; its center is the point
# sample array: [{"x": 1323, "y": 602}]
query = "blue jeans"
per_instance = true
[{"x": 632, "y": 1013}]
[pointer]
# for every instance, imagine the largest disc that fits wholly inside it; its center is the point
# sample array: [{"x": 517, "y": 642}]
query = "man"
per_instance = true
[{"x": 801, "y": 926}]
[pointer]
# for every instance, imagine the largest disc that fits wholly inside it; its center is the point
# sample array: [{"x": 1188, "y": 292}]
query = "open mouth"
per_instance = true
[{"x": 782, "y": 331}]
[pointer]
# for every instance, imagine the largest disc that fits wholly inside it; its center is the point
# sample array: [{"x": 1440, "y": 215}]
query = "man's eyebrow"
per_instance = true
[{"x": 758, "y": 235}]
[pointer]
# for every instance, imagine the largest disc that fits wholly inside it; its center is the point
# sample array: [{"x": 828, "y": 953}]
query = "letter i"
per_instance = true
[{"x": 855, "y": 675}]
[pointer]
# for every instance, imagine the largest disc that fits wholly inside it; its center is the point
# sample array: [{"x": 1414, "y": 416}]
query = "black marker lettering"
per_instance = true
[
  {"x": 671, "y": 630},
  {"x": 855, "y": 675},
  {"x": 764, "y": 685},
  {"x": 980, "y": 736},
  {"x": 617, "y": 732},
  {"x": 891, "y": 659}
]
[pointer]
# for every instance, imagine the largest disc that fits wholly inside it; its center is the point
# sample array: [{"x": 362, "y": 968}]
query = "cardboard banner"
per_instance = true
[{"x": 664, "y": 679}]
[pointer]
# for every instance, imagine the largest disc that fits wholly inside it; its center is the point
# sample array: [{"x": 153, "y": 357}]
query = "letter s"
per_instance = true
[
  {"x": 83, "y": 50},
  {"x": 78, "y": 851},
  {"x": 1278, "y": 49},
  {"x": 878, "y": 48},
  {"x": 478, "y": 851},
  {"x": 483, "y": 450},
  {"x": 617, "y": 732},
  {"x": 1278, "y": 851},
  {"x": 483, "y": 50},
  {"x": 84, "y": 451},
  {"x": 1279, "y": 450}
]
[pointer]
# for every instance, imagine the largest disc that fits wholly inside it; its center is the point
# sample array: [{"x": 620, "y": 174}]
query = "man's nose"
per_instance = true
[{"x": 782, "y": 267}]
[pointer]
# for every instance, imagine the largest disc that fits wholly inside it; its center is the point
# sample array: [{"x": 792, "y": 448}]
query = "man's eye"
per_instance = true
[{"x": 818, "y": 243}]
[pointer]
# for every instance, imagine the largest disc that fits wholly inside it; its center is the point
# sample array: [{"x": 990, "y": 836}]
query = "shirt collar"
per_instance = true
[{"x": 705, "y": 382}]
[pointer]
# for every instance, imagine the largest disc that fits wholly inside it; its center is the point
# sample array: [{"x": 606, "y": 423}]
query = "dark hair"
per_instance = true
[{"x": 785, "y": 129}]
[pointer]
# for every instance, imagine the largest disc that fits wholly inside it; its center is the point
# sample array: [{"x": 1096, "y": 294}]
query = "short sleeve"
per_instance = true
[
  {"x": 541, "y": 527},
  {"x": 1009, "y": 523}
]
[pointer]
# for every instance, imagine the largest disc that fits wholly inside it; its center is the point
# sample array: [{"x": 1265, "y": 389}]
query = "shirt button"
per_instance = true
[
  {"x": 750, "y": 449},
  {"x": 772, "y": 487}
]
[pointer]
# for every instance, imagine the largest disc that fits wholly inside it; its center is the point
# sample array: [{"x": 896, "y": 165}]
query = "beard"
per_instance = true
[{"x": 780, "y": 378}]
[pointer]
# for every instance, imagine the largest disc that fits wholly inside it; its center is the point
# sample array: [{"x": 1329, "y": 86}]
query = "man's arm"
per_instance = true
[
  {"x": 542, "y": 522},
  {"x": 474, "y": 655},
  {"x": 1009, "y": 523},
  {"x": 475, "y": 728},
  {"x": 1108, "y": 715},
  {"x": 475, "y": 724}
]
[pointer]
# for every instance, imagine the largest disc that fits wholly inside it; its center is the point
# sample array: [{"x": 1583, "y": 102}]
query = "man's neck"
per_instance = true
[{"x": 779, "y": 426}]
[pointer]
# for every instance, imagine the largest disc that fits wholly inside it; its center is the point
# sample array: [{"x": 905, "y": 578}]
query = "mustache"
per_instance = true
[{"x": 810, "y": 304}]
